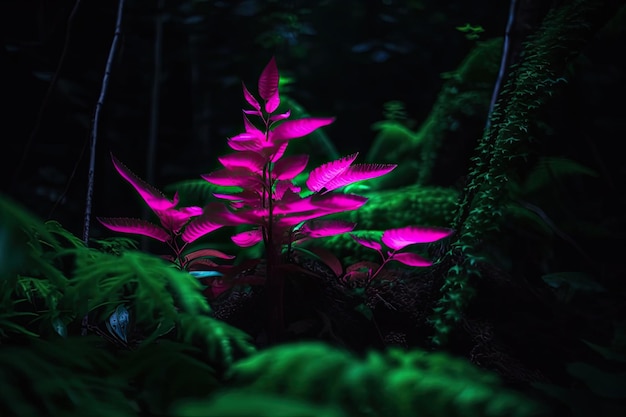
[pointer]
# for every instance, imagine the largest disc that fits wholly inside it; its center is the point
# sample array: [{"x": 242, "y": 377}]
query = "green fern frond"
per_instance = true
[
  {"x": 64, "y": 377},
  {"x": 155, "y": 288},
  {"x": 222, "y": 343},
  {"x": 392, "y": 383},
  {"x": 166, "y": 372},
  {"x": 245, "y": 404},
  {"x": 438, "y": 384}
]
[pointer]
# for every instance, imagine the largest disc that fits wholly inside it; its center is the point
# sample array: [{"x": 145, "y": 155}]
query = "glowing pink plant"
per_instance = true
[
  {"x": 270, "y": 200},
  {"x": 172, "y": 230},
  {"x": 397, "y": 240},
  {"x": 280, "y": 212}
]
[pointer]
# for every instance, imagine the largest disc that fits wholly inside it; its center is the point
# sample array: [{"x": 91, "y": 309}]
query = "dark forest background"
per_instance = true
[
  {"x": 346, "y": 58},
  {"x": 551, "y": 285}
]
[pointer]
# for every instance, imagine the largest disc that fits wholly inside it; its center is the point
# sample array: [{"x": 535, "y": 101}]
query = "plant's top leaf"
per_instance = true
[
  {"x": 399, "y": 238},
  {"x": 268, "y": 86},
  {"x": 410, "y": 259},
  {"x": 135, "y": 226},
  {"x": 320, "y": 176},
  {"x": 291, "y": 129},
  {"x": 251, "y": 100}
]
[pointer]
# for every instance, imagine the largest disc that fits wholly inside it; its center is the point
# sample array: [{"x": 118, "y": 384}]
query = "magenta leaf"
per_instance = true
[
  {"x": 207, "y": 252},
  {"x": 268, "y": 86},
  {"x": 410, "y": 259},
  {"x": 285, "y": 190},
  {"x": 250, "y": 128},
  {"x": 175, "y": 219},
  {"x": 397, "y": 239},
  {"x": 320, "y": 176},
  {"x": 280, "y": 116},
  {"x": 237, "y": 177},
  {"x": 247, "y": 238},
  {"x": 291, "y": 129},
  {"x": 251, "y": 100},
  {"x": 244, "y": 159},
  {"x": 329, "y": 259},
  {"x": 135, "y": 226},
  {"x": 323, "y": 228},
  {"x": 338, "y": 202},
  {"x": 277, "y": 152},
  {"x": 356, "y": 173},
  {"x": 372, "y": 244},
  {"x": 154, "y": 198},
  {"x": 288, "y": 168},
  {"x": 214, "y": 216}
]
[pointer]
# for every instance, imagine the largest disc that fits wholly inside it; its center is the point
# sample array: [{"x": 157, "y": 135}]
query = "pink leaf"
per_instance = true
[
  {"x": 323, "y": 228},
  {"x": 244, "y": 159},
  {"x": 135, "y": 226},
  {"x": 237, "y": 177},
  {"x": 296, "y": 218},
  {"x": 338, "y": 202},
  {"x": 291, "y": 129},
  {"x": 214, "y": 216},
  {"x": 356, "y": 173},
  {"x": 155, "y": 199},
  {"x": 320, "y": 176},
  {"x": 277, "y": 152},
  {"x": 207, "y": 252},
  {"x": 280, "y": 116},
  {"x": 397, "y": 239},
  {"x": 174, "y": 219},
  {"x": 367, "y": 243},
  {"x": 410, "y": 259},
  {"x": 285, "y": 190},
  {"x": 250, "y": 128},
  {"x": 329, "y": 259},
  {"x": 268, "y": 86},
  {"x": 289, "y": 167},
  {"x": 251, "y": 100},
  {"x": 247, "y": 238}
]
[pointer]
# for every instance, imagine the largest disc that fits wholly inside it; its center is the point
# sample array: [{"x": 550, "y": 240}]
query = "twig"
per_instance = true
[
  {"x": 504, "y": 62},
  {"x": 94, "y": 129}
]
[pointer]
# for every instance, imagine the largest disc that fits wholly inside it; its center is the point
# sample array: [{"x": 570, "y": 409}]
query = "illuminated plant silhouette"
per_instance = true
[{"x": 280, "y": 211}]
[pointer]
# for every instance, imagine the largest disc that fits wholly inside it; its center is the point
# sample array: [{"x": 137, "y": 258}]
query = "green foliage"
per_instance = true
[
  {"x": 60, "y": 291},
  {"x": 464, "y": 96},
  {"x": 529, "y": 86},
  {"x": 69, "y": 377},
  {"x": 388, "y": 209},
  {"x": 390, "y": 383},
  {"x": 245, "y": 404}
]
